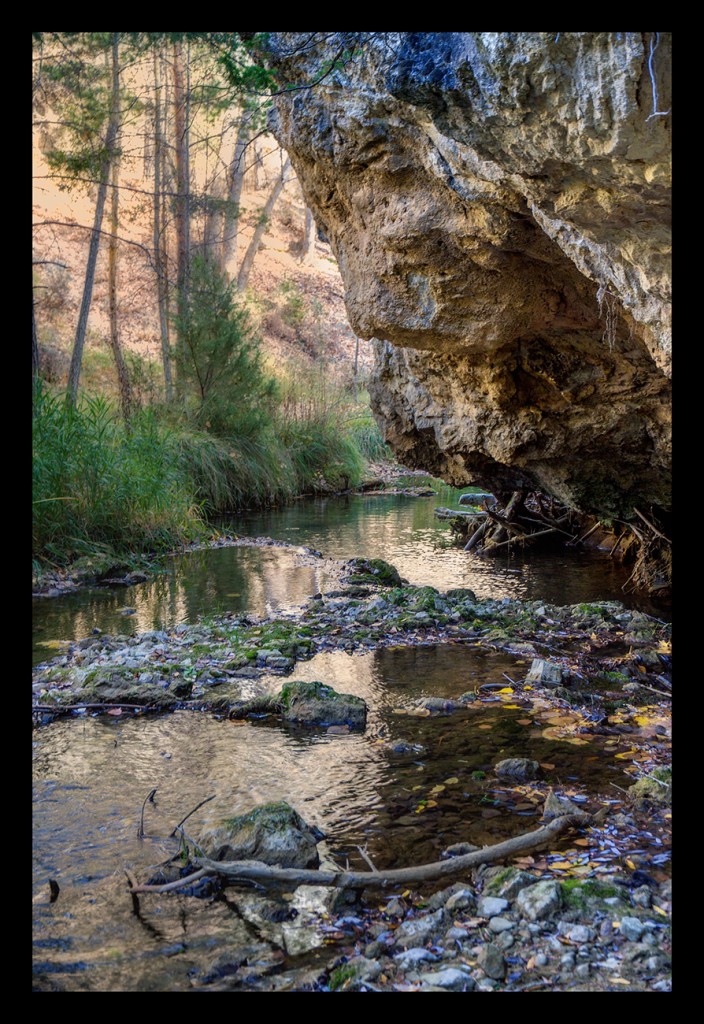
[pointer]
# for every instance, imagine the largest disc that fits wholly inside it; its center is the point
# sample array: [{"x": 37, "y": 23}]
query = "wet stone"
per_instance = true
[
  {"x": 488, "y": 906},
  {"x": 412, "y": 957},
  {"x": 517, "y": 768},
  {"x": 501, "y": 924},
  {"x": 452, "y": 978},
  {"x": 540, "y": 900},
  {"x": 631, "y": 928},
  {"x": 420, "y": 929},
  {"x": 544, "y": 673},
  {"x": 491, "y": 961}
]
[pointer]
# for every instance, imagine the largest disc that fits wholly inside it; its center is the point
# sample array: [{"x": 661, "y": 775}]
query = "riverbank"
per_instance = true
[{"x": 583, "y": 674}]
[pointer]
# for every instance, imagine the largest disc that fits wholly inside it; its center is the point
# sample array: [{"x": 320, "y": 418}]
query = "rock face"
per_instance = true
[{"x": 499, "y": 207}]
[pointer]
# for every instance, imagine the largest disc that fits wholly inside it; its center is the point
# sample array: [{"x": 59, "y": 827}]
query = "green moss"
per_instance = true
[
  {"x": 340, "y": 975},
  {"x": 575, "y": 892},
  {"x": 294, "y": 690},
  {"x": 374, "y": 570}
]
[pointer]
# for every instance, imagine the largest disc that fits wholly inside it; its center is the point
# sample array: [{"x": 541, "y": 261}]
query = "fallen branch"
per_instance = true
[
  {"x": 522, "y": 537},
  {"x": 170, "y": 886},
  {"x": 648, "y": 523},
  {"x": 149, "y": 799},
  {"x": 477, "y": 535},
  {"x": 578, "y": 540},
  {"x": 207, "y": 799},
  {"x": 363, "y": 853},
  {"x": 241, "y": 871}
]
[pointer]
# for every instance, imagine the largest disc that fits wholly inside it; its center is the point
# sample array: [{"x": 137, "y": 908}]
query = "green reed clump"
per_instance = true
[{"x": 97, "y": 481}]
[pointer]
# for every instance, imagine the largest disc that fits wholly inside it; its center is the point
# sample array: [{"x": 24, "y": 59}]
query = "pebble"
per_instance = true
[
  {"x": 541, "y": 960},
  {"x": 501, "y": 924},
  {"x": 632, "y": 928},
  {"x": 489, "y": 906},
  {"x": 583, "y": 971}
]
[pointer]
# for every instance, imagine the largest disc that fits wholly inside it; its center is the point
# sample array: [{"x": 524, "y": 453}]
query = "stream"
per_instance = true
[{"x": 93, "y": 773}]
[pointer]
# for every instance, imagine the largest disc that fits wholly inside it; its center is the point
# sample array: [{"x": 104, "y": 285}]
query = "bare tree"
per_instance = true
[
  {"x": 264, "y": 218},
  {"x": 104, "y": 177},
  {"x": 120, "y": 365},
  {"x": 158, "y": 222}
]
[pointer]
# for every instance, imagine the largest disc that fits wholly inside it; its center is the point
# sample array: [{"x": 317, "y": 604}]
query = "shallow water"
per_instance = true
[
  {"x": 92, "y": 774},
  {"x": 264, "y": 580}
]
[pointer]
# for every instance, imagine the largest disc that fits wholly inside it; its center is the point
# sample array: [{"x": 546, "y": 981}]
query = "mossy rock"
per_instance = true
[
  {"x": 589, "y": 894},
  {"x": 657, "y": 789},
  {"x": 461, "y": 594},
  {"x": 110, "y": 686},
  {"x": 273, "y": 833},
  {"x": 374, "y": 570},
  {"x": 315, "y": 703}
]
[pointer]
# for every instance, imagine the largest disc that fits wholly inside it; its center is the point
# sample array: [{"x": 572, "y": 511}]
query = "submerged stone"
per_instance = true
[{"x": 517, "y": 768}]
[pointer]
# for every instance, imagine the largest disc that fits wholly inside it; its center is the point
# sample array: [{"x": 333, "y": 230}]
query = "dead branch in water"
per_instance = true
[{"x": 255, "y": 871}]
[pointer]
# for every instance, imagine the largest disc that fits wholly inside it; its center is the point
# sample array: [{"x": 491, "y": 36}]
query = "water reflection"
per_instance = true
[
  {"x": 92, "y": 776},
  {"x": 264, "y": 580}
]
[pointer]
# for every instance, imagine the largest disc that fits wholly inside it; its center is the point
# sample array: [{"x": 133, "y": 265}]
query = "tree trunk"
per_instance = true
[
  {"x": 120, "y": 365},
  {"x": 159, "y": 261},
  {"x": 262, "y": 223},
  {"x": 74, "y": 372},
  {"x": 182, "y": 210},
  {"x": 237, "y": 169},
  {"x": 308, "y": 252},
  {"x": 35, "y": 344}
]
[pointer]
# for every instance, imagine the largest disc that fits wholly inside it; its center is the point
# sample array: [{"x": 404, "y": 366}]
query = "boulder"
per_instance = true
[
  {"x": 272, "y": 833},
  {"x": 315, "y": 703}
]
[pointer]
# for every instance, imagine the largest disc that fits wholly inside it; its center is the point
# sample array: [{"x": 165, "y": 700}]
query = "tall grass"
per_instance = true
[
  {"x": 99, "y": 484},
  {"x": 95, "y": 482}
]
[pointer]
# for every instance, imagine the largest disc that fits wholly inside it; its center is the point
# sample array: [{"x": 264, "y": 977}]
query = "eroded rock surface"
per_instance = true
[{"x": 499, "y": 207}]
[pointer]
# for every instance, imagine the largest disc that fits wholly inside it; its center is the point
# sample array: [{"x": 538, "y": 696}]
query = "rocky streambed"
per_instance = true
[{"x": 591, "y": 913}]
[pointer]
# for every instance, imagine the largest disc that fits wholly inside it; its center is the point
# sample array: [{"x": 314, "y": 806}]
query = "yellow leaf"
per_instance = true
[
  {"x": 630, "y": 864},
  {"x": 513, "y": 707},
  {"x": 659, "y": 910},
  {"x": 561, "y": 865},
  {"x": 619, "y": 981},
  {"x": 584, "y": 842},
  {"x": 431, "y": 803},
  {"x": 505, "y": 689},
  {"x": 625, "y": 754},
  {"x": 436, "y": 789},
  {"x": 406, "y": 894},
  {"x": 452, "y": 782},
  {"x": 527, "y": 687}
]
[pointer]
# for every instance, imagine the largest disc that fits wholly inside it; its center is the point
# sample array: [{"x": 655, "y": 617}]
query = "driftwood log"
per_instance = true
[{"x": 265, "y": 874}]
